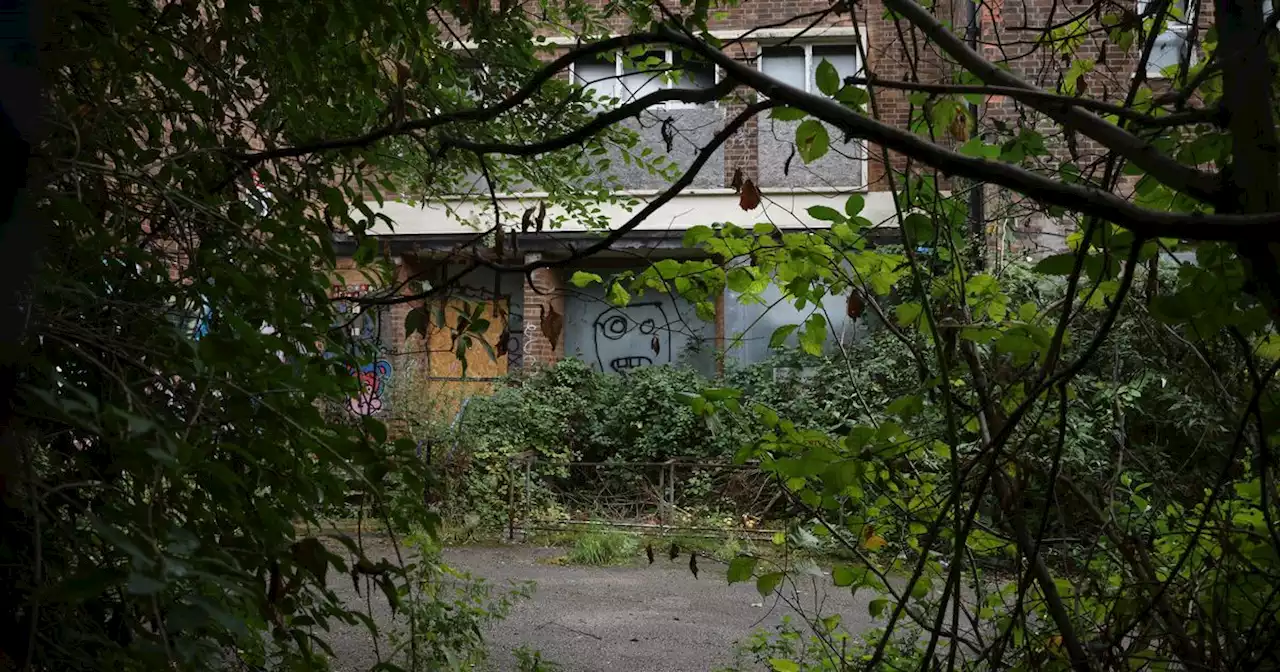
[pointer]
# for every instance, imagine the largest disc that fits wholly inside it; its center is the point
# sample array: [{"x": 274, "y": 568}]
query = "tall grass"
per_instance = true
[{"x": 604, "y": 547}]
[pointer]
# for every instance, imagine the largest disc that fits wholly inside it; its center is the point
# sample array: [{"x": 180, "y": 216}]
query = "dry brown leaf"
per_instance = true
[
  {"x": 960, "y": 127},
  {"x": 500, "y": 348},
  {"x": 551, "y": 322},
  {"x": 749, "y": 198},
  {"x": 854, "y": 306}
]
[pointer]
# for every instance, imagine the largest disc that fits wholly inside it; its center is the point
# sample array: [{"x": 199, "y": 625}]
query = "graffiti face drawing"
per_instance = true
[
  {"x": 373, "y": 382},
  {"x": 633, "y": 336}
]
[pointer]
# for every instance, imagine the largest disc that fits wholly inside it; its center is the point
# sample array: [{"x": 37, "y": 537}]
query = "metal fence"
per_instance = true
[{"x": 710, "y": 499}]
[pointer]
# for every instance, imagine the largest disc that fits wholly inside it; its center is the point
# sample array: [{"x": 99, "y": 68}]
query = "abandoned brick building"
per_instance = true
[{"x": 661, "y": 329}]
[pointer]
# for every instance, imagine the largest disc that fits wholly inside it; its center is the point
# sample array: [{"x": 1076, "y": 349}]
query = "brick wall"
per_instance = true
[
  {"x": 543, "y": 295},
  {"x": 1018, "y": 25}
]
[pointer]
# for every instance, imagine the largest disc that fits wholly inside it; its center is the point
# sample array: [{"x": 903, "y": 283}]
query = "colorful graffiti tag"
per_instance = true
[
  {"x": 373, "y": 383},
  {"x": 365, "y": 329}
]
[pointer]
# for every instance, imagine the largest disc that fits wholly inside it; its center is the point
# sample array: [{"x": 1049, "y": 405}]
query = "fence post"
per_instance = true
[
  {"x": 662, "y": 498},
  {"x": 671, "y": 489},
  {"x": 528, "y": 464},
  {"x": 511, "y": 501}
]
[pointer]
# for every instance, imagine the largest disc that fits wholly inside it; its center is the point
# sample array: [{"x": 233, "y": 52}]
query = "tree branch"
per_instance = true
[
  {"x": 596, "y": 125},
  {"x": 1195, "y": 116},
  {"x": 1203, "y": 186},
  {"x": 617, "y": 234},
  {"x": 1081, "y": 198},
  {"x": 479, "y": 114}
]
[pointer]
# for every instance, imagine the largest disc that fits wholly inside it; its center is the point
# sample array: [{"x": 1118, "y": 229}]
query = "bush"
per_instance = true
[{"x": 569, "y": 412}]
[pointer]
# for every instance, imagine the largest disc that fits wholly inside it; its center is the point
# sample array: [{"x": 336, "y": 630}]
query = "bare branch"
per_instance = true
[
  {"x": 596, "y": 125},
  {"x": 1081, "y": 198},
  {"x": 1203, "y": 186},
  {"x": 1196, "y": 116}
]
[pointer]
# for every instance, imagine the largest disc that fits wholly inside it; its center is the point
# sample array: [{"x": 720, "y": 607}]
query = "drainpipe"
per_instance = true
[{"x": 977, "y": 205}]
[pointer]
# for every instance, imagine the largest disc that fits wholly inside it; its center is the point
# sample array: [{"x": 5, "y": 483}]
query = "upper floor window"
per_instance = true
[
  {"x": 627, "y": 79},
  {"x": 797, "y": 64},
  {"x": 1172, "y": 44}
]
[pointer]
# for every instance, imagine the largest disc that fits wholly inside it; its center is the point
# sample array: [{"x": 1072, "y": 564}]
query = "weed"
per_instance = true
[
  {"x": 530, "y": 660},
  {"x": 604, "y": 547}
]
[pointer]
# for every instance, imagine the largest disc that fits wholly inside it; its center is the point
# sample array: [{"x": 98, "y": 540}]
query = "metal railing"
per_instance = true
[{"x": 703, "y": 498}]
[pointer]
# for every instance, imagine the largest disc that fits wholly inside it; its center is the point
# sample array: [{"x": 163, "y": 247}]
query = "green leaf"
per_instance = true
[
  {"x": 814, "y": 335},
  {"x": 906, "y": 407},
  {"x": 978, "y": 149},
  {"x": 741, "y": 568},
  {"x": 787, "y": 114},
  {"x": 583, "y": 278},
  {"x": 696, "y": 235},
  {"x": 919, "y": 228},
  {"x": 876, "y": 607},
  {"x": 854, "y": 205},
  {"x": 767, "y": 583},
  {"x": 827, "y": 79},
  {"x": 739, "y": 279},
  {"x": 779, "y": 337},
  {"x": 415, "y": 321},
  {"x": 618, "y": 295},
  {"x": 812, "y": 141},
  {"x": 853, "y": 96},
  {"x": 783, "y": 665},
  {"x": 825, "y": 213},
  {"x": 908, "y": 313},
  {"x": 920, "y": 589},
  {"x": 1057, "y": 264},
  {"x": 843, "y": 575}
]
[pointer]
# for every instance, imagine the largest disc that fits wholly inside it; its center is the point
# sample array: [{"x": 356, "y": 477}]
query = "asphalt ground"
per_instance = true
[{"x": 637, "y": 617}]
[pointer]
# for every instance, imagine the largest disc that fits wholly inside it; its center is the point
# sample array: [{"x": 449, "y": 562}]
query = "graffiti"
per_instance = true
[
  {"x": 517, "y": 336},
  {"x": 639, "y": 335},
  {"x": 365, "y": 330},
  {"x": 373, "y": 385},
  {"x": 528, "y": 333}
]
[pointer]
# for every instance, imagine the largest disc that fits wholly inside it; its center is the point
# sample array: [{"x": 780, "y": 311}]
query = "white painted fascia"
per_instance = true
[
  {"x": 785, "y": 209},
  {"x": 816, "y": 34}
]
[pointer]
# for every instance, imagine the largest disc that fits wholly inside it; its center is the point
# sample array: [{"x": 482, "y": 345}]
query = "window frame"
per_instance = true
[
  {"x": 810, "y": 71},
  {"x": 859, "y": 46},
  {"x": 1173, "y": 26},
  {"x": 669, "y": 59}
]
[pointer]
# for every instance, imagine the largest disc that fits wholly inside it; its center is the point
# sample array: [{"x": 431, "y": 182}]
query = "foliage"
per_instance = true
[
  {"x": 604, "y": 547},
  {"x": 179, "y": 406},
  {"x": 569, "y": 412},
  {"x": 452, "y": 614},
  {"x": 531, "y": 660},
  {"x": 817, "y": 648},
  {"x": 175, "y": 407}
]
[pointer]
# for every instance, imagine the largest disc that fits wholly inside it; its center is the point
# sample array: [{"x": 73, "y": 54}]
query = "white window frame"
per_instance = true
[
  {"x": 1173, "y": 26},
  {"x": 663, "y": 76},
  {"x": 809, "y": 65},
  {"x": 810, "y": 84}
]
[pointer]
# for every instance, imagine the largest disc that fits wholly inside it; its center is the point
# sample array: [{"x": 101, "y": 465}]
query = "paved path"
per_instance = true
[{"x": 636, "y": 618}]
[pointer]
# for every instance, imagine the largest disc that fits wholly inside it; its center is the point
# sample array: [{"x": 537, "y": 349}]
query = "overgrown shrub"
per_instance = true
[{"x": 1148, "y": 384}]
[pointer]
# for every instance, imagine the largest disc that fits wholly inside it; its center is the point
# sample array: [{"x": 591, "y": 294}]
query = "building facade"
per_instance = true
[{"x": 541, "y": 318}]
